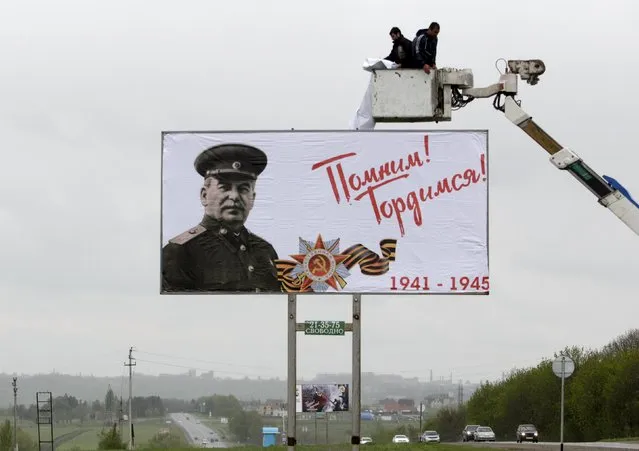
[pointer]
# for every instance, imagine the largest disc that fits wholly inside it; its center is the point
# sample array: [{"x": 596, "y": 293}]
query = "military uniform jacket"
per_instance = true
[{"x": 210, "y": 257}]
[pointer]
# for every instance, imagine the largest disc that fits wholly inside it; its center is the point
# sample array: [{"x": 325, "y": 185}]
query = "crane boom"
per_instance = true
[
  {"x": 610, "y": 193},
  {"x": 611, "y": 197}
]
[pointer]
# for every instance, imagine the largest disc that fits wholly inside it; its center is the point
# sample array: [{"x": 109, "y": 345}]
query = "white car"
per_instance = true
[
  {"x": 400, "y": 439},
  {"x": 484, "y": 434},
  {"x": 429, "y": 437},
  {"x": 365, "y": 440}
]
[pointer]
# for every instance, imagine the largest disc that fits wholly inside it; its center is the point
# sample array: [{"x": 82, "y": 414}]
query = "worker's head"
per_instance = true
[
  {"x": 395, "y": 33},
  {"x": 433, "y": 29}
]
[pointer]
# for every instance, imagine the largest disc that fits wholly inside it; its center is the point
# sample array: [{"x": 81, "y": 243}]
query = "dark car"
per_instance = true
[
  {"x": 468, "y": 434},
  {"x": 527, "y": 432}
]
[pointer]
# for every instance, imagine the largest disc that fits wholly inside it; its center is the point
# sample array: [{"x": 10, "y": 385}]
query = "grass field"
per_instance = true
[
  {"x": 144, "y": 431},
  {"x": 87, "y": 438},
  {"x": 387, "y": 447},
  {"x": 32, "y": 429},
  {"x": 348, "y": 447}
]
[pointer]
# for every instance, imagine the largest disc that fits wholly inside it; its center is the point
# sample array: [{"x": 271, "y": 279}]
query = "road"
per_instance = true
[
  {"x": 568, "y": 446},
  {"x": 195, "y": 431}
]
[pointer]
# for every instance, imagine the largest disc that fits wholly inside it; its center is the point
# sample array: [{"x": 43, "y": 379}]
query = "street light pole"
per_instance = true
[{"x": 563, "y": 367}]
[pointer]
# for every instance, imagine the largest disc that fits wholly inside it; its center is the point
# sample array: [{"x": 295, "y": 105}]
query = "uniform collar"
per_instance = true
[{"x": 216, "y": 226}]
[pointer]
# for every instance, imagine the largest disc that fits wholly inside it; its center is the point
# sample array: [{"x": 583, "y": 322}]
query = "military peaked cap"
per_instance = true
[{"x": 238, "y": 161}]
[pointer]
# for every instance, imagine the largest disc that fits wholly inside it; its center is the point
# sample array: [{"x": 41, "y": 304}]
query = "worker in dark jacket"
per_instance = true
[
  {"x": 424, "y": 48},
  {"x": 402, "y": 49}
]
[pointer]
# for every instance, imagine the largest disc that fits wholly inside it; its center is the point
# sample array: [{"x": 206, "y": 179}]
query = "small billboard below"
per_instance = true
[{"x": 322, "y": 398}]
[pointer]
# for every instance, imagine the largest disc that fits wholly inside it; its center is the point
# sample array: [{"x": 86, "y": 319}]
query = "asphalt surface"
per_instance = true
[
  {"x": 196, "y": 432},
  {"x": 568, "y": 446}
]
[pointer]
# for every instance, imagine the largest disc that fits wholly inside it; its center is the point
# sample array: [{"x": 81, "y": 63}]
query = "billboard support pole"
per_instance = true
[
  {"x": 326, "y": 418},
  {"x": 357, "y": 371},
  {"x": 292, "y": 371}
]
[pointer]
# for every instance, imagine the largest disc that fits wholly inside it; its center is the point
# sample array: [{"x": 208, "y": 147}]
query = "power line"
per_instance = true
[
  {"x": 458, "y": 371},
  {"x": 461, "y": 370},
  {"x": 203, "y": 361},
  {"x": 196, "y": 368}
]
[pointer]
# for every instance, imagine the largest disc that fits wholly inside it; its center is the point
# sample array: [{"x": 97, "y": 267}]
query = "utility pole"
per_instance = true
[
  {"x": 131, "y": 364},
  {"x": 460, "y": 393},
  {"x": 120, "y": 417},
  {"x": 421, "y": 411},
  {"x": 15, "y": 413}
]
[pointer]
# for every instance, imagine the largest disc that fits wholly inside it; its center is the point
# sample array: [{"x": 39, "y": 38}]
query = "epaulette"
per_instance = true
[{"x": 188, "y": 235}]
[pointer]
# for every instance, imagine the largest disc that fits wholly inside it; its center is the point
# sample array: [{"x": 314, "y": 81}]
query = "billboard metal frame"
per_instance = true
[
  {"x": 355, "y": 406},
  {"x": 329, "y": 293}
]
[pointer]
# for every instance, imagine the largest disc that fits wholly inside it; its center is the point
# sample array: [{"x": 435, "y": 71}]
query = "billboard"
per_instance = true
[
  {"x": 388, "y": 212},
  {"x": 322, "y": 398}
]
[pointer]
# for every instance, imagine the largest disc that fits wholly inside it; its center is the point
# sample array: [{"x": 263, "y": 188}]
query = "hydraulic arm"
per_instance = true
[{"x": 610, "y": 193}]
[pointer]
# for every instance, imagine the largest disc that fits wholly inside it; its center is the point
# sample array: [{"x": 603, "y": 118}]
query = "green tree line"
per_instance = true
[{"x": 601, "y": 398}]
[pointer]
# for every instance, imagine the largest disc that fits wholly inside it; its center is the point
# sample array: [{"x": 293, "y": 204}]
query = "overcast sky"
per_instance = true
[{"x": 86, "y": 87}]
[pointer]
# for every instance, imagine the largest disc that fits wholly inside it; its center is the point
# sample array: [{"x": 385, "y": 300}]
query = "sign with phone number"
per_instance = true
[{"x": 324, "y": 327}]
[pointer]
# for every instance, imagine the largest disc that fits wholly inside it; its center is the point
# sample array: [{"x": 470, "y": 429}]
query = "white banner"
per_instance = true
[{"x": 319, "y": 212}]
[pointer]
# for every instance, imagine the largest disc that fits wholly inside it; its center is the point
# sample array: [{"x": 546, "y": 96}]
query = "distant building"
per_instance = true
[
  {"x": 276, "y": 403},
  {"x": 272, "y": 408},
  {"x": 406, "y": 404},
  {"x": 402, "y": 405}
]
